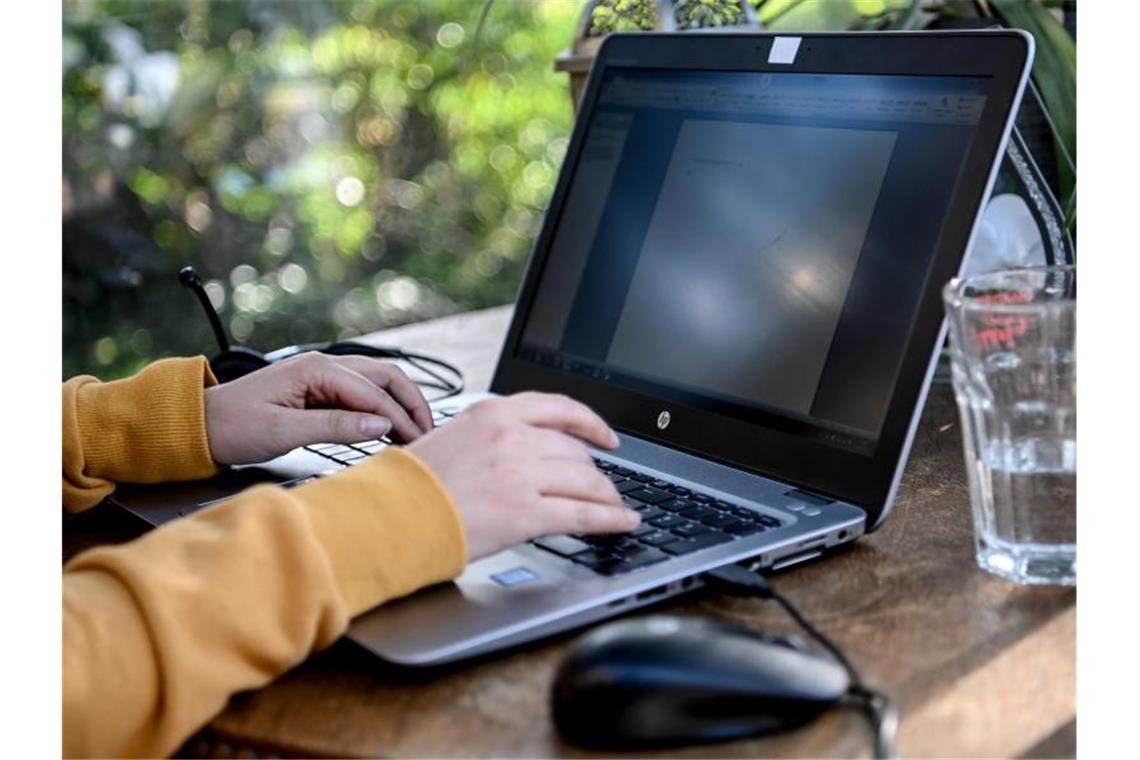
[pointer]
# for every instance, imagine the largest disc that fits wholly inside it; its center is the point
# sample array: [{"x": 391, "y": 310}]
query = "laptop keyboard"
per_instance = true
[
  {"x": 350, "y": 454},
  {"x": 675, "y": 521}
]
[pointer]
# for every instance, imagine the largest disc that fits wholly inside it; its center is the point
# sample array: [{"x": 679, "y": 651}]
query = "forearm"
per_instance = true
[
  {"x": 160, "y": 632},
  {"x": 145, "y": 429}
]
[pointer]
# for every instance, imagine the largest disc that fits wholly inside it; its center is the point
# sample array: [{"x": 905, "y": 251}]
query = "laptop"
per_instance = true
[{"x": 739, "y": 270}]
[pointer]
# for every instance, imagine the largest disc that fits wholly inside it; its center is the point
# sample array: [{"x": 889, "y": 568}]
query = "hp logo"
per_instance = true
[{"x": 663, "y": 420}]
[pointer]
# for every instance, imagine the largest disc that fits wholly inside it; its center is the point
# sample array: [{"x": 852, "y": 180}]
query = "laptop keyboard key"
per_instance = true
[
  {"x": 676, "y": 505},
  {"x": 668, "y": 521},
  {"x": 595, "y": 559},
  {"x": 650, "y": 513},
  {"x": 635, "y": 561},
  {"x": 605, "y": 541},
  {"x": 627, "y": 486},
  {"x": 564, "y": 546},
  {"x": 688, "y": 530},
  {"x": 321, "y": 448},
  {"x": 643, "y": 530},
  {"x": 744, "y": 528},
  {"x": 689, "y": 545},
  {"x": 719, "y": 520},
  {"x": 650, "y": 495},
  {"x": 769, "y": 521},
  {"x": 657, "y": 537},
  {"x": 640, "y": 477},
  {"x": 698, "y": 512},
  {"x": 625, "y": 545}
]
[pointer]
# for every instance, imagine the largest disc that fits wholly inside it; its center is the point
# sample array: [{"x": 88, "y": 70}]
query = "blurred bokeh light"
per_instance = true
[{"x": 331, "y": 168}]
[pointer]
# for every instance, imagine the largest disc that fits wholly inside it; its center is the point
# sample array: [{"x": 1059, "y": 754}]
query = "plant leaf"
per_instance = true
[
  {"x": 911, "y": 18},
  {"x": 1055, "y": 73}
]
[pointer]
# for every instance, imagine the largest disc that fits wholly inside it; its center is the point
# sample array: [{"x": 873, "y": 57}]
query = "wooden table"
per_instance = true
[{"x": 980, "y": 667}]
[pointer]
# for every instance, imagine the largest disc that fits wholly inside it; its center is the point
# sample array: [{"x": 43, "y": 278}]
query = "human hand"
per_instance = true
[
  {"x": 515, "y": 472},
  {"x": 312, "y": 398}
]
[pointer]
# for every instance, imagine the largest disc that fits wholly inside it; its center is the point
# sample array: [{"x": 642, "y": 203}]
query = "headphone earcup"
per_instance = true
[{"x": 236, "y": 362}]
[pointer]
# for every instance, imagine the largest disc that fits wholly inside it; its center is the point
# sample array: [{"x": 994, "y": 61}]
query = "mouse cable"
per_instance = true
[{"x": 879, "y": 708}]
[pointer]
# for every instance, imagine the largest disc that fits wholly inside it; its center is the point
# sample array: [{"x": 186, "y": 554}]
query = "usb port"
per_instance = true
[{"x": 652, "y": 593}]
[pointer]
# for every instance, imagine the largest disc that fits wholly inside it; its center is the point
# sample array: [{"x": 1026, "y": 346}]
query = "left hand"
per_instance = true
[{"x": 312, "y": 398}]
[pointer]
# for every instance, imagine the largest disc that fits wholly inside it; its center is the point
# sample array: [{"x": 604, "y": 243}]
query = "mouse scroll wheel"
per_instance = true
[{"x": 792, "y": 642}]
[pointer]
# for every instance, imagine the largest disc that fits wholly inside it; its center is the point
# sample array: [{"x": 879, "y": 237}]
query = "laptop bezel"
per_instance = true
[{"x": 1002, "y": 55}]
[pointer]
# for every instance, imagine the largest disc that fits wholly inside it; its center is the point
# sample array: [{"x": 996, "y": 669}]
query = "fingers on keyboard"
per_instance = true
[{"x": 675, "y": 521}]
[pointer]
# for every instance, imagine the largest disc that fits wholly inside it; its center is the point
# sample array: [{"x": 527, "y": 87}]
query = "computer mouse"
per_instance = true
[{"x": 666, "y": 680}]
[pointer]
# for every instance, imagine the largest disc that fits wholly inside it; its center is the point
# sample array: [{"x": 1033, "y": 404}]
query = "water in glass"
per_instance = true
[{"x": 1013, "y": 351}]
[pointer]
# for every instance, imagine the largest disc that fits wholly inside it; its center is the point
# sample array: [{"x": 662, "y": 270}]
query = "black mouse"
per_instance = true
[{"x": 665, "y": 680}]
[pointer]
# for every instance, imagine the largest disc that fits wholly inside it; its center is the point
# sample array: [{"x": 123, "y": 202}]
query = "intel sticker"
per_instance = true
[{"x": 513, "y": 577}]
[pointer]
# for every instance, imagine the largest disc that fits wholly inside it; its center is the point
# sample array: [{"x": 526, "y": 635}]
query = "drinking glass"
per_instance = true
[{"x": 1014, "y": 364}]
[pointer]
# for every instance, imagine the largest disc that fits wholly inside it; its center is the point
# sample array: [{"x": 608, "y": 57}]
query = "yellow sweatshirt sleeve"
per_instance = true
[
  {"x": 158, "y": 633},
  {"x": 149, "y": 428}
]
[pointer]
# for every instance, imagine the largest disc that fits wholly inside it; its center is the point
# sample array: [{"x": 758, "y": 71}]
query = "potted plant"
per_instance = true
[{"x": 602, "y": 17}]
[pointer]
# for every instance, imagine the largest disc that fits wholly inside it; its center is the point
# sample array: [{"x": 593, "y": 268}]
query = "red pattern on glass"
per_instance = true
[{"x": 1001, "y": 329}]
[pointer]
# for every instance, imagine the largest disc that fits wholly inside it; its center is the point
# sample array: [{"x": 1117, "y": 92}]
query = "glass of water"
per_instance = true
[{"x": 1014, "y": 360}]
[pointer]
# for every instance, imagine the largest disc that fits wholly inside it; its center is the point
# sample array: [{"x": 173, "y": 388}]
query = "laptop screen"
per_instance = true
[{"x": 754, "y": 244}]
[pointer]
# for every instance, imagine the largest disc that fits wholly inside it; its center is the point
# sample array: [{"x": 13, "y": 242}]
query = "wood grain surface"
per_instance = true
[{"x": 980, "y": 667}]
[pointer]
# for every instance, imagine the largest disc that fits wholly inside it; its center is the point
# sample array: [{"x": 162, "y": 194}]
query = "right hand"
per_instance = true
[{"x": 516, "y": 470}]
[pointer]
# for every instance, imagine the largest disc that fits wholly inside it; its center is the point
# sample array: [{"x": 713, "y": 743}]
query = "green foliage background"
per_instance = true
[
  {"x": 330, "y": 167},
  {"x": 333, "y": 167}
]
